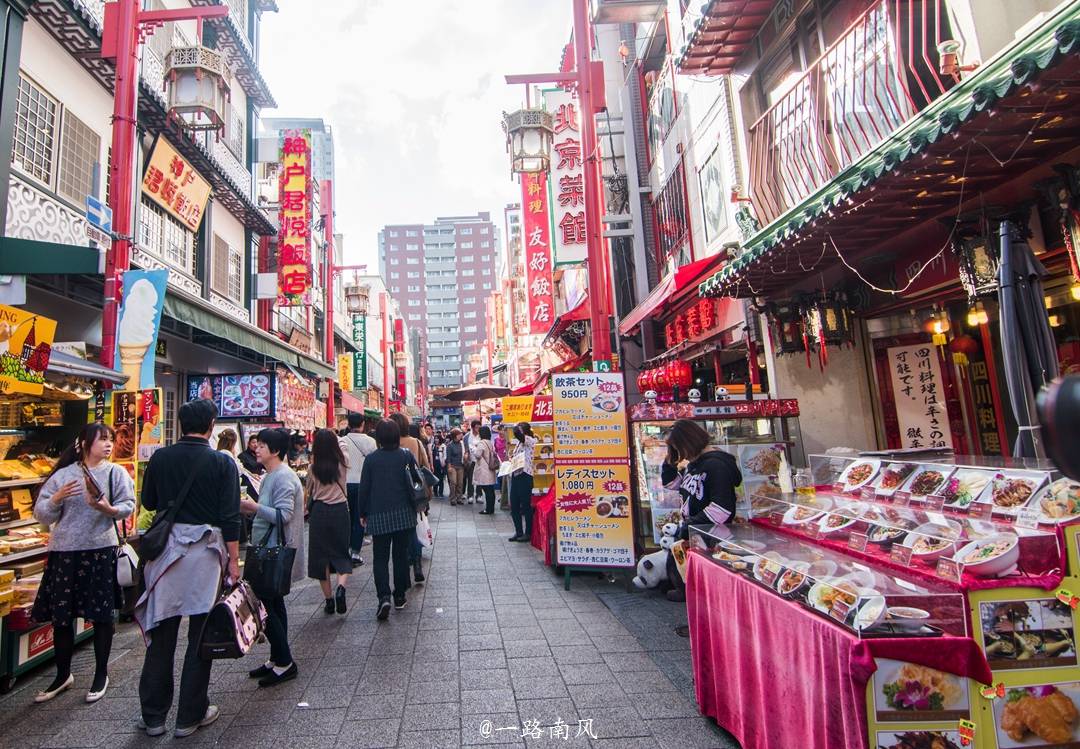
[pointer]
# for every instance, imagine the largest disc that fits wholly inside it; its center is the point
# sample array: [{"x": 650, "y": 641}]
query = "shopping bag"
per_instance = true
[
  {"x": 269, "y": 568},
  {"x": 504, "y": 468},
  {"x": 423, "y": 530},
  {"x": 235, "y": 623}
]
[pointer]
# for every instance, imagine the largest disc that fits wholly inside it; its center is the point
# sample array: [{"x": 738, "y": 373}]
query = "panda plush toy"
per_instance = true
[{"x": 658, "y": 570}]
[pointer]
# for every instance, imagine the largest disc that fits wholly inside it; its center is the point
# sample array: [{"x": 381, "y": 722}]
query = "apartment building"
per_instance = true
[{"x": 440, "y": 275}]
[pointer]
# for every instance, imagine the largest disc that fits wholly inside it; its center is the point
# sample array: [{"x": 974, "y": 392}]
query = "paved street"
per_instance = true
[{"x": 491, "y": 641}]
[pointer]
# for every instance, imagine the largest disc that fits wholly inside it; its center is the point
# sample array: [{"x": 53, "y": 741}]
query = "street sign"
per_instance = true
[
  {"x": 97, "y": 236},
  {"x": 98, "y": 214},
  {"x": 601, "y": 366}
]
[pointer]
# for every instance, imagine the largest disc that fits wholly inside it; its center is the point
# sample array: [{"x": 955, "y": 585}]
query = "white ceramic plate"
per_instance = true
[{"x": 845, "y": 477}]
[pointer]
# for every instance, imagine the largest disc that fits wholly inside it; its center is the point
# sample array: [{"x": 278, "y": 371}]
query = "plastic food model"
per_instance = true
[
  {"x": 923, "y": 740},
  {"x": 1050, "y": 716},
  {"x": 1062, "y": 500},
  {"x": 926, "y": 482},
  {"x": 893, "y": 476},
  {"x": 964, "y": 487},
  {"x": 1011, "y": 492}
]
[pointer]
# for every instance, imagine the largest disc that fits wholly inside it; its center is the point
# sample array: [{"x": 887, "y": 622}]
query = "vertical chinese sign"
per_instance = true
[
  {"x": 567, "y": 178},
  {"x": 539, "y": 292},
  {"x": 294, "y": 215},
  {"x": 592, "y": 471},
  {"x": 400, "y": 372},
  {"x": 359, "y": 369},
  {"x": 918, "y": 391}
]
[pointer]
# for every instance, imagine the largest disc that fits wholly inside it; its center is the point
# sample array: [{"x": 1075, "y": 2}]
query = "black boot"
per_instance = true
[{"x": 418, "y": 572}]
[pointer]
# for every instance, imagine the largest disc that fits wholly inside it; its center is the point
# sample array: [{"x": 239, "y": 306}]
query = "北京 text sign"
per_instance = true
[{"x": 592, "y": 470}]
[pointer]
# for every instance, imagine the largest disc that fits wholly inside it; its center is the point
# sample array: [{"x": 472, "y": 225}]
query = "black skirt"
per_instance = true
[
  {"x": 328, "y": 540},
  {"x": 78, "y": 584}
]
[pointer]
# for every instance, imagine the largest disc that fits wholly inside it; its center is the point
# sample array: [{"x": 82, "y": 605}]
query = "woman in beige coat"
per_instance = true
[{"x": 485, "y": 474}]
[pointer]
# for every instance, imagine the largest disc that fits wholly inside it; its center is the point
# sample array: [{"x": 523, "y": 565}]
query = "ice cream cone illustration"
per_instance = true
[{"x": 136, "y": 332}]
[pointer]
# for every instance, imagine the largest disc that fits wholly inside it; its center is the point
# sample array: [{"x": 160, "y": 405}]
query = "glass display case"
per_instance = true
[
  {"x": 755, "y": 432},
  {"x": 868, "y": 601}
]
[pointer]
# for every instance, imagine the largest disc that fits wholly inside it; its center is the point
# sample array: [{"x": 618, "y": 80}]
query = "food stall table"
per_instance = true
[{"x": 756, "y": 655}]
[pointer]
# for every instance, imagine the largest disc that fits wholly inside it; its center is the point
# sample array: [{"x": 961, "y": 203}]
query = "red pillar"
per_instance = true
[
  {"x": 121, "y": 166},
  {"x": 327, "y": 203},
  {"x": 385, "y": 311}
]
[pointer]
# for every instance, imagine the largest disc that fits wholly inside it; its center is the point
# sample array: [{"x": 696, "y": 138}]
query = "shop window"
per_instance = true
[
  {"x": 228, "y": 271},
  {"x": 33, "y": 137},
  {"x": 672, "y": 225},
  {"x": 170, "y": 416},
  {"x": 234, "y": 135},
  {"x": 178, "y": 245},
  {"x": 80, "y": 148}
]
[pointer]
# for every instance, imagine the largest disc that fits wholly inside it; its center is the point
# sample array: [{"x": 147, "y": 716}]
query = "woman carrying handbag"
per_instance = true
[
  {"x": 81, "y": 500},
  {"x": 328, "y": 532},
  {"x": 281, "y": 495}
]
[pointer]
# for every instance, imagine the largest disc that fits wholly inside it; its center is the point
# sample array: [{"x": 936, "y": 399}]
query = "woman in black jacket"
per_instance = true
[{"x": 388, "y": 514}]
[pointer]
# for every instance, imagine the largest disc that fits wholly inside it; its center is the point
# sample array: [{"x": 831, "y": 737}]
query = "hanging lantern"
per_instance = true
[
  {"x": 683, "y": 375},
  {"x": 977, "y": 252},
  {"x": 528, "y": 138},
  {"x": 789, "y": 328},
  {"x": 961, "y": 347},
  {"x": 198, "y": 89},
  {"x": 836, "y": 320},
  {"x": 642, "y": 378},
  {"x": 357, "y": 300}
]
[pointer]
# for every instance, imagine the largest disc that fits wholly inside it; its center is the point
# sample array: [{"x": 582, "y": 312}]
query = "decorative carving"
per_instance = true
[
  {"x": 231, "y": 166},
  {"x": 229, "y": 306},
  {"x": 95, "y": 9},
  {"x": 34, "y": 215},
  {"x": 153, "y": 72},
  {"x": 748, "y": 225}
]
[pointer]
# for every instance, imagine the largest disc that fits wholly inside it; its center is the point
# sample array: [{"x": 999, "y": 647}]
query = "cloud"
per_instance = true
[{"x": 414, "y": 94}]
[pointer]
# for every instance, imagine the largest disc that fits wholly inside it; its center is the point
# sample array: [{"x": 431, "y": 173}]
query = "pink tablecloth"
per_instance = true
[
  {"x": 776, "y": 675},
  {"x": 544, "y": 524}
]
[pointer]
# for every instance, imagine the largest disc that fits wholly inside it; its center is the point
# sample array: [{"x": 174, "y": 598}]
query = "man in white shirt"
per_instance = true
[
  {"x": 472, "y": 437},
  {"x": 356, "y": 446}
]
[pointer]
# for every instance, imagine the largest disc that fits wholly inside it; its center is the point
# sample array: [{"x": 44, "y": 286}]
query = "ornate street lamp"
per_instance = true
[
  {"x": 198, "y": 90},
  {"x": 357, "y": 300},
  {"x": 528, "y": 138}
]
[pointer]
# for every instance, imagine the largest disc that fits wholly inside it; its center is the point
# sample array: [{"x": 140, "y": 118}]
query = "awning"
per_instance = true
[
  {"x": 351, "y": 403},
  {"x": 195, "y": 315},
  {"x": 723, "y": 31},
  {"x": 372, "y": 413},
  {"x": 72, "y": 366},
  {"x": 566, "y": 366},
  {"x": 24, "y": 257},
  {"x": 682, "y": 278},
  {"x": 565, "y": 320}
]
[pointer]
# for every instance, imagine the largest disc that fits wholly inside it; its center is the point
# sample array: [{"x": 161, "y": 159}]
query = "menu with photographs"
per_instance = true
[
  {"x": 237, "y": 396},
  {"x": 1037, "y": 633}
]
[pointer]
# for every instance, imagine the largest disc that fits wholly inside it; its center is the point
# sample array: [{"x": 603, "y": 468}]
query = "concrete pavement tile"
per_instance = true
[
  {"x": 480, "y": 642},
  {"x": 80, "y": 733},
  {"x": 528, "y": 632},
  {"x": 548, "y": 711},
  {"x": 617, "y": 644},
  {"x": 477, "y": 660},
  {"x": 255, "y": 736},
  {"x": 477, "y": 628},
  {"x": 383, "y": 683},
  {"x": 481, "y": 730},
  {"x": 469, "y": 602},
  {"x": 437, "y": 717},
  {"x": 629, "y": 662},
  {"x": 265, "y": 713},
  {"x": 612, "y": 723},
  {"x": 640, "y": 742},
  {"x": 478, "y": 615},
  {"x": 381, "y": 664},
  {"x": 433, "y": 691},
  {"x": 331, "y": 674},
  {"x": 436, "y": 651},
  {"x": 576, "y": 654},
  {"x": 644, "y": 682},
  {"x": 538, "y": 687},
  {"x": 348, "y": 656},
  {"x": 588, "y": 696},
  {"x": 673, "y": 706},
  {"x": 425, "y": 670},
  {"x": 113, "y": 708},
  {"x": 553, "y": 612},
  {"x": 322, "y": 698},
  {"x": 486, "y": 701},
  {"x": 369, "y": 734},
  {"x": 692, "y": 733},
  {"x": 429, "y": 739},
  {"x": 547, "y": 741},
  {"x": 585, "y": 673},
  {"x": 493, "y": 678},
  {"x": 544, "y": 666},
  {"x": 528, "y": 648},
  {"x": 375, "y": 706},
  {"x": 316, "y": 722}
]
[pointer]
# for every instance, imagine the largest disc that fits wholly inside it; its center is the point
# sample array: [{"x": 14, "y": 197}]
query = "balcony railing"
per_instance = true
[{"x": 870, "y": 81}]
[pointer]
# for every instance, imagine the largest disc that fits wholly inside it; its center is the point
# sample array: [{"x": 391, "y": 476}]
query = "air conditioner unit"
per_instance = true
[{"x": 626, "y": 11}]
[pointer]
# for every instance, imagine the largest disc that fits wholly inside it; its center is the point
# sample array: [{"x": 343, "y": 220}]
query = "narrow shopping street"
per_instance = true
[{"x": 488, "y": 647}]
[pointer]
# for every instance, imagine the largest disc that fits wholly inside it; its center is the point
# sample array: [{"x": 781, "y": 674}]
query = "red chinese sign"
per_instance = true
[
  {"x": 400, "y": 373},
  {"x": 539, "y": 292},
  {"x": 705, "y": 317},
  {"x": 295, "y": 186},
  {"x": 171, "y": 182},
  {"x": 567, "y": 178}
]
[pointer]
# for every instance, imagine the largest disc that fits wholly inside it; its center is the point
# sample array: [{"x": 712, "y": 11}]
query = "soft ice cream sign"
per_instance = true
[{"x": 140, "y": 320}]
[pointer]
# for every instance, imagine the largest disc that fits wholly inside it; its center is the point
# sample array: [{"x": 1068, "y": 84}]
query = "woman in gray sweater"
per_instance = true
[{"x": 83, "y": 498}]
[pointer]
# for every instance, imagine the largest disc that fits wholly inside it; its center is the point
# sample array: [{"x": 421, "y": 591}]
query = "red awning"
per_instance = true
[
  {"x": 565, "y": 320},
  {"x": 679, "y": 280},
  {"x": 566, "y": 366},
  {"x": 351, "y": 403}
]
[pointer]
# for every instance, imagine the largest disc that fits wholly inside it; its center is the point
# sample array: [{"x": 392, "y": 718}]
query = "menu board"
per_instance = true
[
  {"x": 237, "y": 396},
  {"x": 592, "y": 471},
  {"x": 920, "y": 396}
]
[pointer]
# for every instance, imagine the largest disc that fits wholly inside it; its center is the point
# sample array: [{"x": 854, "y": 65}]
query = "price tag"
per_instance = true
[
  {"x": 902, "y": 498},
  {"x": 934, "y": 502},
  {"x": 981, "y": 510},
  {"x": 775, "y": 518},
  {"x": 993, "y": 692},
  {"x": 857, "y": 541},
  {"x": 1028, "y": 518},
  {"x": 840, "y": 609},
  {"x": 949, "y": 569},
  {"x": 769, "y": 575},
  {"x": 813, "y": 530},
  {"x": 900, "y": 554},
  {"x": 967, "y": 733},
  {"x": 1066, "y": 597},
  {"x": 867, "y": 493}
]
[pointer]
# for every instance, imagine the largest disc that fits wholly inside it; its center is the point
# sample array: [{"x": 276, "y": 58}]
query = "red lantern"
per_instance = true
[
  {"x": 683, "y": 374},
  {"x": 661, "y": 378},
  {"x": 641, "y": 380},
  {"x": 963, "y": 344}
]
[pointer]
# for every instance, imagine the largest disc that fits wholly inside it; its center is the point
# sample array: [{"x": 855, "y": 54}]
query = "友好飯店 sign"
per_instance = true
[
  {"x": 294, "y": 216},
  {"x": 541, "y": 304},
  {"x": 919, "y": 394},
  {"x": 567, "y": 178},
  {"x": 171, "y": 182}
]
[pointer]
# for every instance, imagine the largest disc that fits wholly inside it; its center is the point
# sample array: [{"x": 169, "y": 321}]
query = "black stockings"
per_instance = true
[{"x": 64, "y": 643}]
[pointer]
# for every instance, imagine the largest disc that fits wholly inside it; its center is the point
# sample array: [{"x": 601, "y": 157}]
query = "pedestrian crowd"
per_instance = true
[{"x": 370, "y": 478}]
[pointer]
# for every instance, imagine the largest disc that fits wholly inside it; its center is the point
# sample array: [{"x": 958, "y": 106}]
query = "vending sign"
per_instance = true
[
  {"x": 567, "y": 178},
  {"x": 294, "y": 215},
  {"x": 541, "y": 299},
  {"x": 590, "y": 416},
  {"x": 359, "y": 369},
  {"x": 920, "y": 396}
]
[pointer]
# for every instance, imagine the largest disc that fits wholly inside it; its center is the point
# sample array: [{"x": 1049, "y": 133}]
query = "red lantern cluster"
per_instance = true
[{"x": 664, "y": 378}]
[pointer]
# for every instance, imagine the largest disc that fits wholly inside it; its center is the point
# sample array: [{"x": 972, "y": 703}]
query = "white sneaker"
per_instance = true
[
  {"x": 93, "y": 696},
  {"x": 472, "y": 501},
  {"x": 44, "y": 696},
  {"x": 212, "y": 714}
]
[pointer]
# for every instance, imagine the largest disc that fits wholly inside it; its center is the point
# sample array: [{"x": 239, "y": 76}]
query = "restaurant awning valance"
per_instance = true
[
  {"x": 19, "y": 257},
  {"x": 666, "y": 290}
]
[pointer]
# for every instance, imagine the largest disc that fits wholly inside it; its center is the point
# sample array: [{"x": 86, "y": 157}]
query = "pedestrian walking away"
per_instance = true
[
  {"x": 356, "y": 445},
  {"x": 328, "y": 529},
  {"x": 389, "y": 514},
  {"x": 521, "y": 482},
  {"x": 81, "y": 501},
  {"x": 455, "y": 466},
  {"x": 413, "y": 444},
  {"x": 486, "y": 469},
  {"x": 281, "y": 492},
  {"x": 203, "y": 489}
]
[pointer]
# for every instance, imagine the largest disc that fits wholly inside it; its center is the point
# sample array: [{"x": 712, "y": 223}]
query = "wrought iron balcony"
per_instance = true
[{"x": 881, "y": 71}]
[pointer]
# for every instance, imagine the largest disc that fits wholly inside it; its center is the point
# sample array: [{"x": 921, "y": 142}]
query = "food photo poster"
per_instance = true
[
  {"x": 1038, "y": 717},
  {"x": 912, "y": 693}
]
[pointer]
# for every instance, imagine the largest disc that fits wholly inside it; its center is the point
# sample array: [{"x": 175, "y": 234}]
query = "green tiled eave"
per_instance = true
[{"x": 1014, "y": 67}]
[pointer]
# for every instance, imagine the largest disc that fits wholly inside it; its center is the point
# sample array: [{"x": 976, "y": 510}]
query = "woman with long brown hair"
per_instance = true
[
  {"x": 83, "y": 498},
  {"x": 328, "y": 531}
]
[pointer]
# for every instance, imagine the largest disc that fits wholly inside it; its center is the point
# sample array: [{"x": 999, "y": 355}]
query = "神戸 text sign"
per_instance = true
[
  {"x": 541, "y": 300},
  {"x": 592, "y": 470},
  {"x": 294, "y": 215},
  {"x": 919, "y": 393},
  {"x": 567, "y": 178},
  {"x": 171, "y": 182}
]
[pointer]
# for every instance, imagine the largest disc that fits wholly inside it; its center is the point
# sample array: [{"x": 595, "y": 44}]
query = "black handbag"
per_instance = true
[
  {"x": 235, "y": 623},
  {"x": 418, "y": 489},
  {"x": 156, "y": 538},
  {"x": 429, "y": 478},
  {"x": 269, "y": 568}
]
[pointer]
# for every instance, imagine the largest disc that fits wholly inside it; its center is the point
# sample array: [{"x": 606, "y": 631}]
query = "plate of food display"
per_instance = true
[
  {"x": 734, "y": 561},
  {"x": 772, "y": 563},
  {"x": 824, "y": 593},
  {"x": 886, "y": 535},
  {"x": 992, "y": 556},
  {"x": 260, "y": 380},
  {"x": 892, "y": 477},
  {"x": 794, "y": 579},
  {"x": 919, "y": 740},
  {"x": 811, "y": 510},
  {"x": 871, "y": 611},
  {"x": 964, "y": 487},
  {"x": 1010, "y": 492},
  {"x": 859, "y": 474},
  {"x": 762, "y": 460},
  {"x": 839, "y": 519},
  {"x": 1060, "y": 502},
  {"x": 927, "y": 480},
  {"x": 930, "y": 541}
]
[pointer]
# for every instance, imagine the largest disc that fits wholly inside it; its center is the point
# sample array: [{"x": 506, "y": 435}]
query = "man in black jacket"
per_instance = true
[{"x": 185, "y": 578}]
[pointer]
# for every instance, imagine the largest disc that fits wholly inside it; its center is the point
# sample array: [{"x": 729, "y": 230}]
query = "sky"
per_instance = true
[{"x": 414, "y": 92}]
